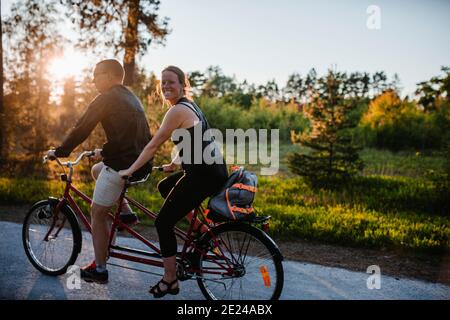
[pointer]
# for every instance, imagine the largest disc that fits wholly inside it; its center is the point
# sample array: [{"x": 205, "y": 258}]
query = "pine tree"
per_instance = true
[{"x": 332, "y": 157}]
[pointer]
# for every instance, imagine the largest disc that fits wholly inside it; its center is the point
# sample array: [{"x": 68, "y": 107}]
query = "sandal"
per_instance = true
[{"x": 159, "y": 293}]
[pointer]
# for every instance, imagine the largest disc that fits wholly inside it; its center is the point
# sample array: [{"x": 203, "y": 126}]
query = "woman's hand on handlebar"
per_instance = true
[
  {"x": 125, "y": 173},
  {"x": 165, "y": 168},
  {"x": 169, "y": 167}
]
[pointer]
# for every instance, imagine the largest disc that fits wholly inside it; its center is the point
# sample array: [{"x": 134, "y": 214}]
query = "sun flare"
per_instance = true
[{"x": 70, "y": 64}]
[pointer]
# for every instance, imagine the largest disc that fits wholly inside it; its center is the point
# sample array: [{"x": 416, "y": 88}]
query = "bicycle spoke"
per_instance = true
[
  {"x": 254, "y": 272},
  {"x": 230, "y": 248},
  {"x": 52, "y": 255},
  {"x": 246, "y": 249}
]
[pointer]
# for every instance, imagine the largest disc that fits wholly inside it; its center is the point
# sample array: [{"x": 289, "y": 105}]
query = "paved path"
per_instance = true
[{"x": 20, "y": 280}]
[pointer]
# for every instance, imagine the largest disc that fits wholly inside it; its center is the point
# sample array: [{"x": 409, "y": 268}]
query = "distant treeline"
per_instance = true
[
  {"x": 384, "y": 120},
  {"x": 33, "y": 119}
]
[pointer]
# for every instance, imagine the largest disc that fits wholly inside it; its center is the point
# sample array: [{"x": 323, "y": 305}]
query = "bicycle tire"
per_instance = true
[
  {"x": 71, "y": 234},
  {"x": 273, "y": 256}
]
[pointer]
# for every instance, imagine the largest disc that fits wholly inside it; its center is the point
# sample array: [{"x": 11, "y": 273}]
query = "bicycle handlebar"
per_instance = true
[
  {"x": 69, "y": 163},
  {"x": 132, "y": 183},
  {"x": 84, "y": 154}
]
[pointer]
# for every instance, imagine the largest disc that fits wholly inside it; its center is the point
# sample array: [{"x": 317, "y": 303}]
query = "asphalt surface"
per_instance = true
[{"x": 20, "y": 280}]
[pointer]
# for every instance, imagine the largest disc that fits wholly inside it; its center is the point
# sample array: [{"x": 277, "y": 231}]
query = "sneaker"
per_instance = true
[
  {"x": 128, "y": 218},
  {"x": 90, "y": 266},
  {"x": 90, "y": 274}
]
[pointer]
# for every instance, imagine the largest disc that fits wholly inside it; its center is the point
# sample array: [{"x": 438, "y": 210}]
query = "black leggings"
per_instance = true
[{"x": 183, "y": 192}]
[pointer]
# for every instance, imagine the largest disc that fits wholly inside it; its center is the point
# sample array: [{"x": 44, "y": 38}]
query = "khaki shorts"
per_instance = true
[{"x": 108, "y": 187}]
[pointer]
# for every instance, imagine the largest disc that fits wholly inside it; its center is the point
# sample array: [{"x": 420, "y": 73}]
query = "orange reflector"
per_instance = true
[{"x": 265, "y": 275}]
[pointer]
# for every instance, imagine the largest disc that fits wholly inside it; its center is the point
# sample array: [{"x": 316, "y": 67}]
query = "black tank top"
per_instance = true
[{"x": 193, "y": 166}]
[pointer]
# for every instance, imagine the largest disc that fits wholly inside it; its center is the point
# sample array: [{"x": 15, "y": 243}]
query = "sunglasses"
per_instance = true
[{"x": 99, "y": 73}]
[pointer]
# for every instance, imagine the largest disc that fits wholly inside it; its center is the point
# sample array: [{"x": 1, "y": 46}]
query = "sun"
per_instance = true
[{"x": 69, "y": 64}]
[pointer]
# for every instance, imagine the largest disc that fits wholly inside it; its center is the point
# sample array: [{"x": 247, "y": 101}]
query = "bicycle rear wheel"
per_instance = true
[
  {"x": 52, "y": 243},
  {"x": 243, "y": 263}
]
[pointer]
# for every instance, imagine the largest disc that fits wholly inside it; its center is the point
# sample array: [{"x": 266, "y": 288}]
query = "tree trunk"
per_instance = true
[
  {"x": 131, "y": 42},
  {"x": 40, "y": 137},
  {"x": 2, "y": 108},
  {"x": 330, "y": 160}
]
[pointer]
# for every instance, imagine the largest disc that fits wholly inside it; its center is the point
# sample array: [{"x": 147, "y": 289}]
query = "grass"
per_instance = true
[
  {"x": 347, "y": 218},
  {"x": 282, "y": 164},
  {"x": 391, "y": 205},
  {"x": 410, "y": 164},
  {"x": 27, "y": 191},
  {"x": 406, "y": 163}
]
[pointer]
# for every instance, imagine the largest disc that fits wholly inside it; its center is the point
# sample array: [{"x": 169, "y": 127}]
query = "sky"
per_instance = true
[{"x": 261, "y": 40}]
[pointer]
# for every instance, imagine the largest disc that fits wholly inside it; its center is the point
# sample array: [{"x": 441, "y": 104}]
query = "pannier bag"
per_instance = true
[{"x": 235, "y": 200}]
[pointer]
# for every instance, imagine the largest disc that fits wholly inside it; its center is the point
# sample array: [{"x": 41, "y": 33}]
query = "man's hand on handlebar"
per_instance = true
[
  {"x": 97, "y": 155},
  {"x": 51, "y": 154},
  {"x": 125, "y": 173}
]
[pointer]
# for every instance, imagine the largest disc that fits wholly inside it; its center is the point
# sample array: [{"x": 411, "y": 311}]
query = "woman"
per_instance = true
[{"x": 183, "y": 191}]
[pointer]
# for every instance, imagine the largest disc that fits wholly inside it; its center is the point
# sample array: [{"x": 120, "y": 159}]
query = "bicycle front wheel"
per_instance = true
[
  {"x": 52, "y": 243},
  {"x": 242, "y": 263}
]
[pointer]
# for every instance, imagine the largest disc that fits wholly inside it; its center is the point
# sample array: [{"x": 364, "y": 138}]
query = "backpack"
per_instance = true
[{"x": 234, "y": 201}]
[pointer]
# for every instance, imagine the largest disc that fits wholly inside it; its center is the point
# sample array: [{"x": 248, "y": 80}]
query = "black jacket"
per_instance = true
[{"x": 126, "y": 128}]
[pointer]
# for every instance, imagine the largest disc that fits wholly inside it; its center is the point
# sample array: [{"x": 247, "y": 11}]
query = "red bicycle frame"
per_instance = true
[{"x": 114, "y": 250}]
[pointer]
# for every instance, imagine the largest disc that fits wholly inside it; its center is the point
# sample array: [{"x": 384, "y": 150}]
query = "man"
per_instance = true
[{"x": 123, "y": 120}]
